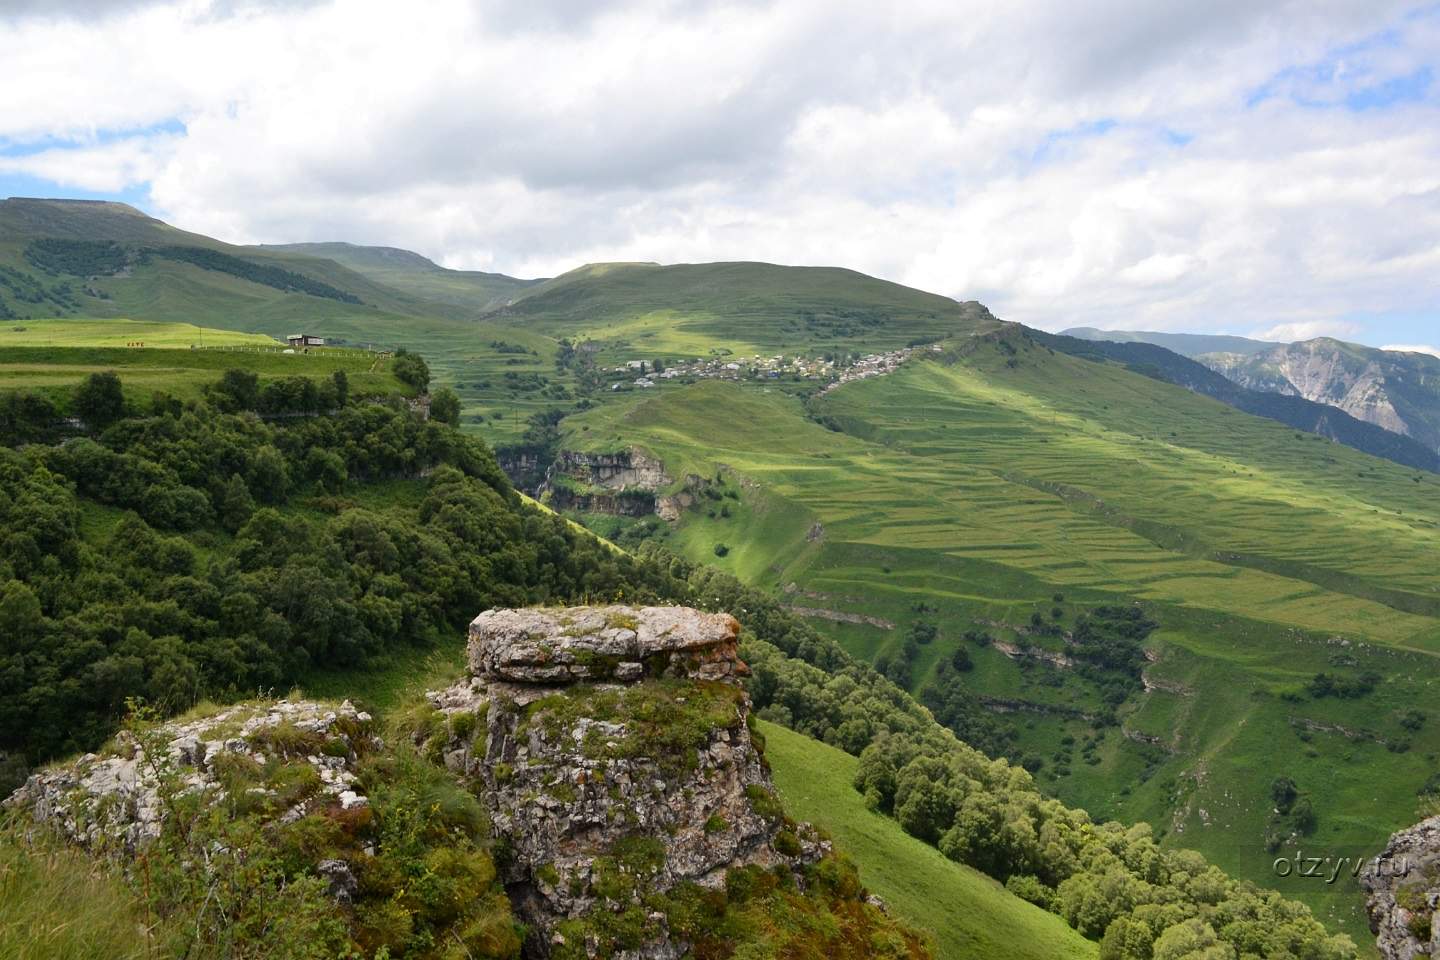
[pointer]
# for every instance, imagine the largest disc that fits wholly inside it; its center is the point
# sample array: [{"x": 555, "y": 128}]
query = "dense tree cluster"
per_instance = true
[
  {"x": 1346, "y": 688},
  {"x": 1107, "y": 643},
  {"x": 411, "y": 369},
  {"x": 231, "y": 559},
  {"x": 81, "y": 258}
]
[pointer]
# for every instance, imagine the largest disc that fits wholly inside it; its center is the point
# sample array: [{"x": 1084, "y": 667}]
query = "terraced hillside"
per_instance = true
[{"x": 1006, "y": 493}]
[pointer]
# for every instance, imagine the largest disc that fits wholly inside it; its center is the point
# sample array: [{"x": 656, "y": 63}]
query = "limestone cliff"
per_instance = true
[
  {"x": 622, "y": 483},
  {"x": 614, "y": 745},
  {"x": 1403, "y": 888}
]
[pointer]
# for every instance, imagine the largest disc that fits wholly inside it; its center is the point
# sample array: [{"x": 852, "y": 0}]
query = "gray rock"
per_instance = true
[
  {"x": 1403, "y": 893},
  {"x": 112, "y": 802},
  {"x": 343, "y": 885},
  {"x": 570, "y": 644},
  {"x": 572, "y": 791}
]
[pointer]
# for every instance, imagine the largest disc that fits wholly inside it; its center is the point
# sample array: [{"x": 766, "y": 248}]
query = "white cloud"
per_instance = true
[
  {"x": 1308, "y": 330},
  {"x": 1069, "y": 164},
  {"x": 1413, "y": 348}
]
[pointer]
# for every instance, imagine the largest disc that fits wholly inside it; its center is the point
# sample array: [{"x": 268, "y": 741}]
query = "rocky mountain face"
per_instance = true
[
  {"x": 1403, "y": 889},
  {"x": 1397, "y": 391},
  {"x": 614, "y": 746}
]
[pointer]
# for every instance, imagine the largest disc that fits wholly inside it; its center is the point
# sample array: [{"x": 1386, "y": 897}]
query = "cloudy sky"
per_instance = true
[{"x": 1247, "y": 166}]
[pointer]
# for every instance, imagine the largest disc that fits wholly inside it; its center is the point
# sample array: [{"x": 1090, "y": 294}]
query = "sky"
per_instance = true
[{"x": 1242, "y": 166}]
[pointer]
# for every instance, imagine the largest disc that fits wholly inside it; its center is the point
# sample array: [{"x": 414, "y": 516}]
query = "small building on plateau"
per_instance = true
[{"x": 304, "y": 340}]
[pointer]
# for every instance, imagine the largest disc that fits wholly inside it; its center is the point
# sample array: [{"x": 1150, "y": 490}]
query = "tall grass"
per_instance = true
[{"x": 56, "y": 903}]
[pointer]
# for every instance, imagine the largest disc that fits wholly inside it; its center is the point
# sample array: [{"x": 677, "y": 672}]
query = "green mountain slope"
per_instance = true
[
  {"x": 114, "y": 261},
  {"x": 471, "y": 291},
  {"x": 504, "y": 373},
  {"x": 970, "y": 915},
  {"x": 1010, "y": 486},
  {"x": 1321, "y": 419}
]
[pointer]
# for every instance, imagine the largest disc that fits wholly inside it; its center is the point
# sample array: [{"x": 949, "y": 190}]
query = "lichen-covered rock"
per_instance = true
[
  {"x": 610, "y": 793},
  {"x": 567, "y": 644},
  {"x": 114, "y": 799},
  {"x": 1403, "y": 888}
]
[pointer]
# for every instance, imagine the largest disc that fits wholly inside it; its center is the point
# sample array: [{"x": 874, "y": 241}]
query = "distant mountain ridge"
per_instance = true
[
  {"x": 1396, "y": 390},
  {"x": 96, "y": 258},
  {"x": 1186, "y": 344},
  {"x": 1303, "y": 414}
]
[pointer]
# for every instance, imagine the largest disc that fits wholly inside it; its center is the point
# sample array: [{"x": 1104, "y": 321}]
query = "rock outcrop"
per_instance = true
[
  {"x": 117, "y": 800},
  {"x": 614, "y": 747},
  {"x": 1403, "y": 889},
  {"x": 627, "y": 469},
  {"x": 571, "y": 644}
]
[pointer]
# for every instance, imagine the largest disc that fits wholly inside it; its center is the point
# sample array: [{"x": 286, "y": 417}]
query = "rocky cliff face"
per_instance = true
[
  {"x": 1397, "y": 391},
  {"x": 1403, "y": 886},
  {"x": 614, "y": 745},
  {"x": 622, "y": 483}
]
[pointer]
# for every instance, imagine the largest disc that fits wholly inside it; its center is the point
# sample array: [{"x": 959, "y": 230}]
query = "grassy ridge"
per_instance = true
[{"x": 970, "y": 916}]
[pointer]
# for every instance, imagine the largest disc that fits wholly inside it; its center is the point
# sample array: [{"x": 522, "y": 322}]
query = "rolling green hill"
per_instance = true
[
  {"x": 503, "y": 372},
  {"x": 97, "y": 259},
  {"x": 1006, "y": 483},
  {"x": 648, "y": 311}
]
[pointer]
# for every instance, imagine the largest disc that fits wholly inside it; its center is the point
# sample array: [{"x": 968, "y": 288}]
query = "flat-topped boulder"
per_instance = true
[{"x": 560, "y": 645}]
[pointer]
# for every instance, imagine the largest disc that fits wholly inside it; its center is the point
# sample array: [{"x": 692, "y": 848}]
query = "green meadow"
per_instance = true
[
  {"x": 50, "y": 357},
  {"x": 973, "y": 493}
]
